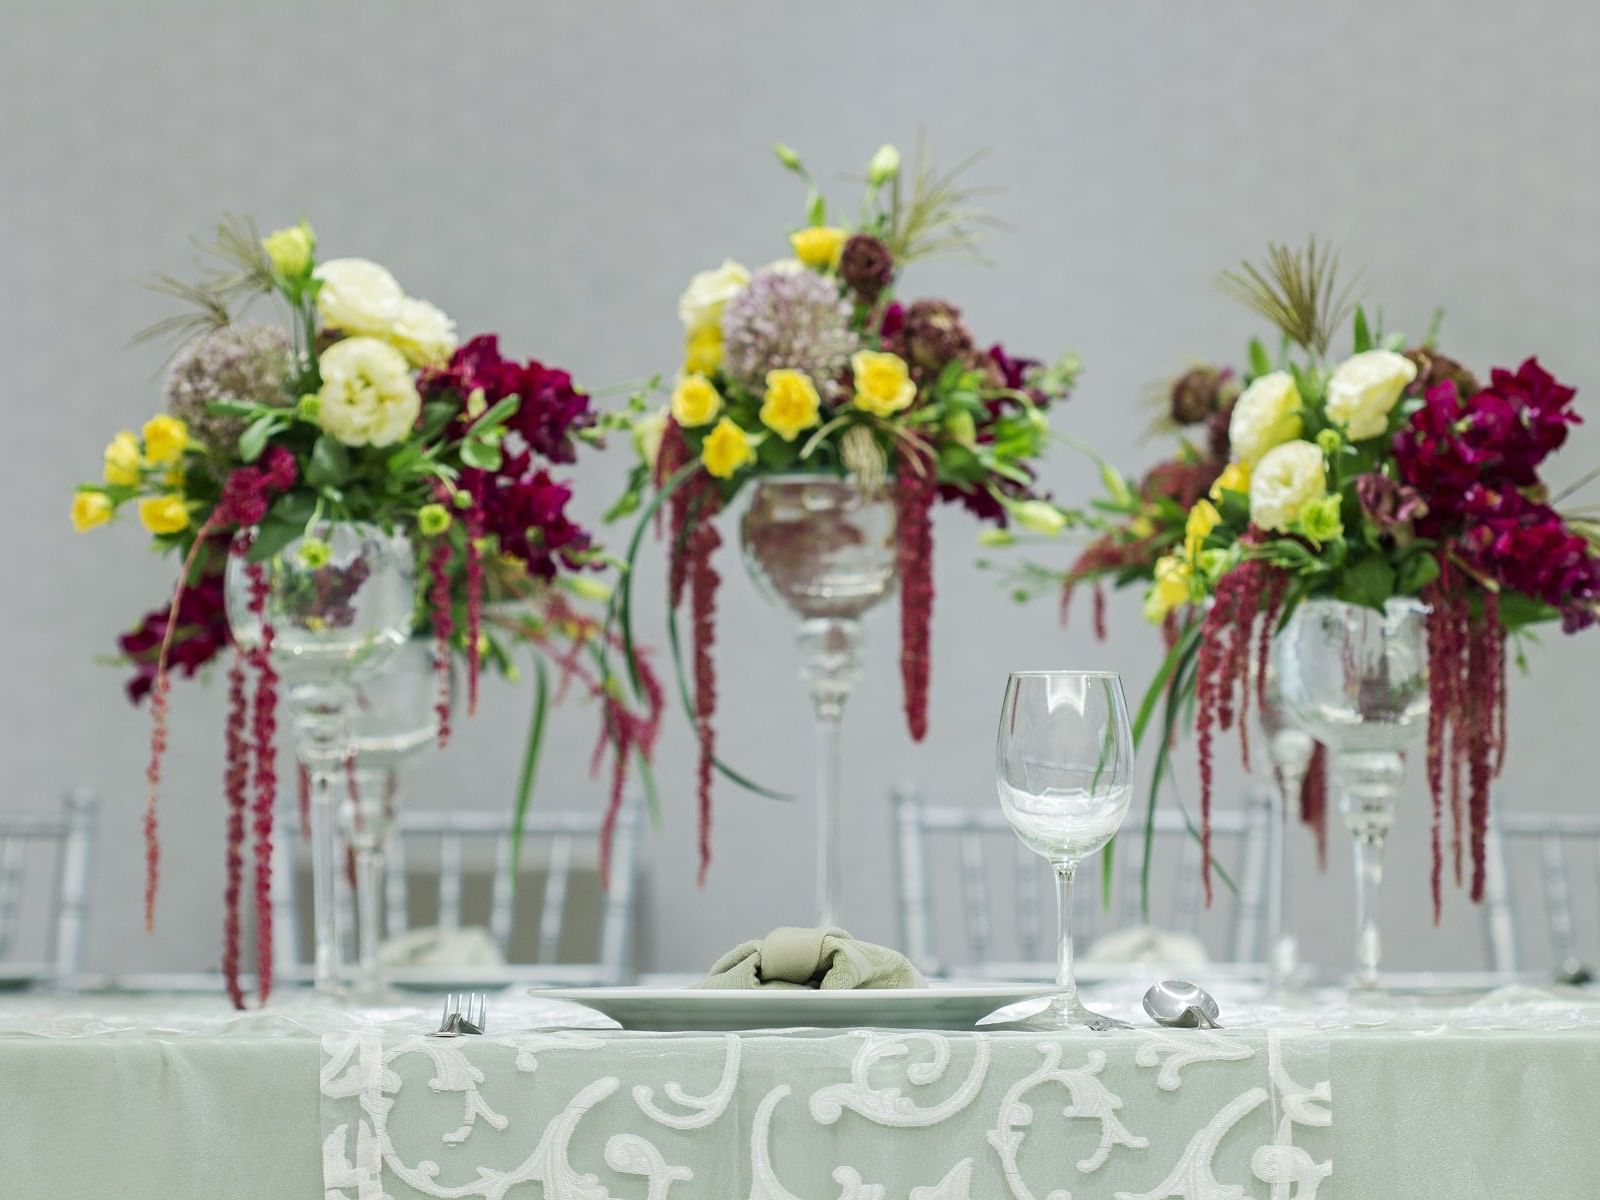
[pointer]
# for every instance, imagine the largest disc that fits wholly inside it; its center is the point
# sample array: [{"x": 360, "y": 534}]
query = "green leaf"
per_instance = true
[
  {"x": 817, "y": 210},
  {"x": 1417, "y": 571},
  {"x": 272, "y": 536},
  {"x": 330, "y": 463},
  {"x": 483, "y": 455},
  {"x": 530, "y": 762},
  {"x": 1260, "y": 361},
  {"x": 1363, "y": 335},
  {"x": 254, "y": 439},
  {"x": 1369, "y": 581},
  {"x": 498, "y": 414}
]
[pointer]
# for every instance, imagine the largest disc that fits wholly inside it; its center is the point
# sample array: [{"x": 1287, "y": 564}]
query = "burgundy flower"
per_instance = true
[
  {"x": 526, "y": 511},
  {"x": 550, "y": 411},
  {"x": 1389, "y": 505},
  {"x": 200, "y": 632},
  {"x": 866, "y": 266}
]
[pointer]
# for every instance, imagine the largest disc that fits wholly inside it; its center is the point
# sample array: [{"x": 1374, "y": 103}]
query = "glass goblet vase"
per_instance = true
[
  {"x": 1064, "y": 773},
  {"x": 1356, "y": 679},
  {"x": 331, "y": 607},
  {"x": 823, "y": 548},
  {"x": 396, "y": 715}
]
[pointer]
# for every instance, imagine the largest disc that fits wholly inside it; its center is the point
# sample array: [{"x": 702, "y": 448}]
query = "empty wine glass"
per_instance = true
[{"x": 1064, "y": 771}]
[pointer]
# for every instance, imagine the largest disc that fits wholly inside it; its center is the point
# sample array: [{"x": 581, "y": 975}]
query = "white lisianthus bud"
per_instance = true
[{"x": 885, "y": 165}]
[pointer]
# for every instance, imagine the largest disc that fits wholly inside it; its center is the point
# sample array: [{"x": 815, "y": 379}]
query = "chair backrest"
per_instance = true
[
  {"x": 70, "y": 835},
  {"x": 1239, "y": 845},
  {"x": 1560, "y": 840},
  {"x": 551, "y": 845}
]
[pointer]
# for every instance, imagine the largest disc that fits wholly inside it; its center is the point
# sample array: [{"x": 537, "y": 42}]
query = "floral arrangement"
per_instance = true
[
  {"x": 1393, "y": 472},
  {"x": 813, "y": 364},
  {"x": 363, "y": 408}
]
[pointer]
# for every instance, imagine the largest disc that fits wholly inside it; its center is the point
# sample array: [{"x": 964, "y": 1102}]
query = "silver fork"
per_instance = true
[{"x": 467, "y": 1013}]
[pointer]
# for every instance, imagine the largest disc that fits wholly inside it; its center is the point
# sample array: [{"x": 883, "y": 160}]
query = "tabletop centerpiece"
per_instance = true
[
  {"x": 308, "y": 476},
  {"x": 848, "y": 413},
  {"x": 1380, "y": 530}
]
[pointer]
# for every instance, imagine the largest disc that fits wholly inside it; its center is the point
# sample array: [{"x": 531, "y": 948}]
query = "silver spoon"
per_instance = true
[{"x": 1178, "y": 1004}]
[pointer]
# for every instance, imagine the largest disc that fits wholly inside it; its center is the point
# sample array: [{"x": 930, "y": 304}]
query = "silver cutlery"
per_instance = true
[
  {"x": 1179, "y": 1004},
  {"x": 467, "y": 1013}
]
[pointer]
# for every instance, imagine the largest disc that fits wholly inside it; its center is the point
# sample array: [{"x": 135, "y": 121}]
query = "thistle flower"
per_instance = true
[
  {"x": 866, "y": 267},
  {"x": 787, "y": 319},
  {"x": 246, "y": 363},
  {"x": 935, "y": 335}
]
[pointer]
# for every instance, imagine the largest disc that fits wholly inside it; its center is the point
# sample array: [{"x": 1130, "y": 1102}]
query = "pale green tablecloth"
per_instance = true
[{"x": 98, "y": 1100}]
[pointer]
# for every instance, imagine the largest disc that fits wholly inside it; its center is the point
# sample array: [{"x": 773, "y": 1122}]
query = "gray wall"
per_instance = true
[{"x": 555, "y": 171}]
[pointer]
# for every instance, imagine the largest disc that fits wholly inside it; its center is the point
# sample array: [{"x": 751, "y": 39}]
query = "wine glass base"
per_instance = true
[{"x": 1051, "y": 1014}]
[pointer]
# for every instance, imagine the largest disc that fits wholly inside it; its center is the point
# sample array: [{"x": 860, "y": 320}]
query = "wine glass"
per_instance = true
[{"x": 1064, "y": 771}]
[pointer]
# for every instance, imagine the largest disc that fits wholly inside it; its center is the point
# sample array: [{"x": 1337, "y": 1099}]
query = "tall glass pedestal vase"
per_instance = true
[
  {"x": 396, "y": 715},
  {"x": 1356, "y": 679},
  {"x": 1289, "y": 750},
  {"x": 824, "y": 549},
  {"x": 331, "y": 608}
]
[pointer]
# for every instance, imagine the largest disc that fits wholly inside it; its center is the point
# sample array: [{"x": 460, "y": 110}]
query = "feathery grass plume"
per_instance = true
[
  {"x": 1297, "y": 290},
  {"x": 939, "y": 218},
  {"x": 244, "y": 272}
]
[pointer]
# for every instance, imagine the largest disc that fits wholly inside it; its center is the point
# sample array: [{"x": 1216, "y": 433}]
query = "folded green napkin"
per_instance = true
[{"x": 812, "y": 958}]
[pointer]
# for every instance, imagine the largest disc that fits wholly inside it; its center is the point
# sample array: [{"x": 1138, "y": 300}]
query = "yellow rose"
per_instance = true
[
  {"x": 1235, "y": 477},
  {"x": 164, "y": 514},
  {"x": 702, "y": 350},
  {"x": 819, "y": 246},
  {"x": 791, "y": 403},
  {"x": 358, "y": 297},
  {"x": 90, "y": 509},
  {"x": 1289, "y": 478},
  {"x": 695, "y": 402},
  {"x": 165, "y": 439},
  {"x": 368, "y": 397},
  {"x": 726, "y": 449},
  {"x": 1266, "y": 414},
  {"x": 122, "y": 459},
  {"x": 423, "y": 333},
  {"x": 1203, "y": 518},
  {"x": 883, "y": 383},
  {"x": 290, "y": 250},
  {"x": 1169, "y": 589},
  {"x": 702, "y": 301}
]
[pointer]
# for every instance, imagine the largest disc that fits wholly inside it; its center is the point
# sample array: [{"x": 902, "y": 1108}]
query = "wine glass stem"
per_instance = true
[
  {"x": 830, "y": 665},
  {"x": 1369, "y": 884},
  {"x": 1066, "y": 982},
  {"x": 1369, "y": 785},
  {"x": 1282, "y": 949},
  {"x": 369, "y": 873},
  {"x": 322, "y": 739}
]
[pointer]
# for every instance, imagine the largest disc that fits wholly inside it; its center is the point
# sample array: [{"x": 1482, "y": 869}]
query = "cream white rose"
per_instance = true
[
  {"x": 368, "y": 397},
  {"x": 1266, "y": 414},
  {"x": 702, "y": 301},
  {"x": 1287, "y": 479},
  {"x": 423, "y": 333},
  {"x": 1363, "y": 390},
  {"x": 358, "y": 297}
]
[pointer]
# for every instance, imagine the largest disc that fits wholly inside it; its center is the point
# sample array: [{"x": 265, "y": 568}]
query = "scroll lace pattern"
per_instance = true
[{"x": 1147, "y": 1115}]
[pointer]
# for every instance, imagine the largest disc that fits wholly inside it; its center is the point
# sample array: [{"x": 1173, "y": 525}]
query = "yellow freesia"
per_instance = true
[
  {"x": 695, "y": 402},
  {"x": 702, "y": 350},
  {"x": 165, "y": 439},
  {"x": 726, "y": 449},
  {"x": 883, "y": 382},
  {"x": 1235, "y": 477},
  {"x": 122, "y": 459},
  {"x": 90, "y": 509},
  {"x": 791, "y": 403},
  {"x": 1203, "y": 518},
  {"x": 819, "y": 246},
  {"x": 164, "y": 514},
  {"x": 1169, "y": 589}
]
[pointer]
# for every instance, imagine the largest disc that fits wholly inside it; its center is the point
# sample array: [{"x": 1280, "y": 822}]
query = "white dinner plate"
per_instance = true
[{"x": 938, "y": 1006}]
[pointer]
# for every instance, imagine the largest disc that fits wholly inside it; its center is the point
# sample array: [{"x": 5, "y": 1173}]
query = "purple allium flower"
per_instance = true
[
  {"x": 787, "y": 318},
  {"x": 247, "y": 363}
]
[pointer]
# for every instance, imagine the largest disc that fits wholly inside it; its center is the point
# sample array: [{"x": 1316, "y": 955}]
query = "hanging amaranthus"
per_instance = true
[
  {"x": 236, "y": 782},
  {"x": 264, "y": 731},
  {"x": 915, "y": 489},
  {"x": 703, "y": 541}
]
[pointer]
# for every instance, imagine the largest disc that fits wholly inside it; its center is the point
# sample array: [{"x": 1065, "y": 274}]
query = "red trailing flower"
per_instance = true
[
  {"x": 474, "y": 524},
  {"x": 1314, "y": 801},
  {"x": 703, "y": 580},
  {"x": 443, "y": 627},
  {"x": 235, "y": 787},
  {"x": 264, "y": 730},
  {"x": 914, "y": 493}
]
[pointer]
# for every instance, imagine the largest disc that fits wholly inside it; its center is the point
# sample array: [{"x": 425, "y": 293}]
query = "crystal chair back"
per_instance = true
[
  {"x": 1551, "y": 844},
  {"x": 981, "y": 835},
  {"x": 556, "y": 845},
  {"x": 27, "y": 841}
]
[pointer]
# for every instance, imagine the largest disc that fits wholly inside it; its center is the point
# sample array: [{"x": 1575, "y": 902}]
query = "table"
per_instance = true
[{"x": 171, "y": 1097}]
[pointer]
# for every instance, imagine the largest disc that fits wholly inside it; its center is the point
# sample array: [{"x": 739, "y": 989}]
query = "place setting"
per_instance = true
[{"x": 627, "y": 658}]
